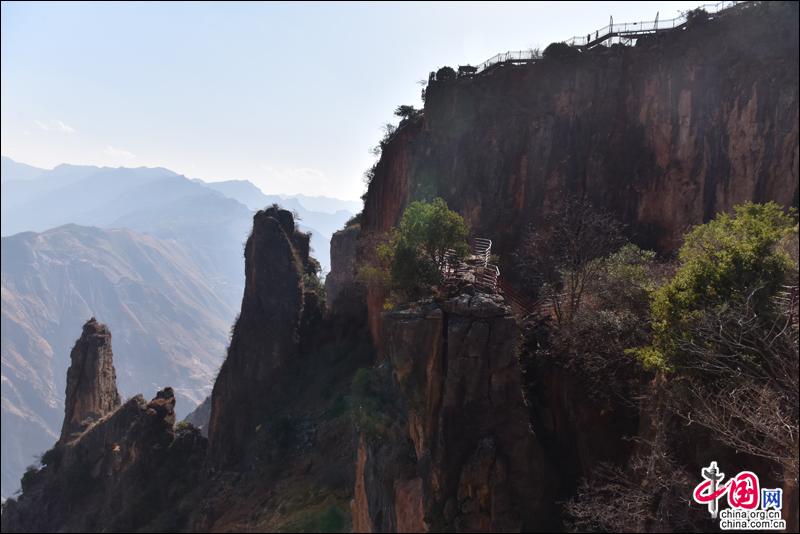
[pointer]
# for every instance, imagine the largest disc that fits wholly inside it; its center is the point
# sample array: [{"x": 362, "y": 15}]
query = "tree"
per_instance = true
[
  {"x": 445, "y": 73},
  {"x": 559, "y": 256},
  {"x": 730, "y": 258},
  {"x": 407, "y": 113},
  {"x": 559, "y": 51},
  {"x": 740, "y": 381},
  {"x": 411, "y": 258}
]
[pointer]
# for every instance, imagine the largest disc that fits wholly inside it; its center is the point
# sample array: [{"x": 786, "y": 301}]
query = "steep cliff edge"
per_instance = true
[
  {"x": 91, "y": 380},
  {"x": 280, "y": 452},
  {"x": 665, "y": 134},
  {"x": 120, "y": 468},
  {"x": 265, "y": 336},
  {"x": 459, "y": 454}
]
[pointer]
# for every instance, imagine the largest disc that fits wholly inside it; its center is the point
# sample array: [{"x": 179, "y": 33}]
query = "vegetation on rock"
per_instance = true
[{"x": 410, "y": 258}]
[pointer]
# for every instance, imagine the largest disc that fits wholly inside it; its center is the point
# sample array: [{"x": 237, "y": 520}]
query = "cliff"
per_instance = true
[
  {"x": 280, "y": 449},
  {"x": 91, "y": 380},
  {"x": 279, "y": 454},
  {"x": 265, "y": 335},
  {"x": 341, "y": 284},
  {"x": 460, "y": 454},
  {"x": 120, "y": 468},
  {"x": 664, "y": 134},
  {"x": 170, "y": 324},
  {"x": 327, "y": 416}
]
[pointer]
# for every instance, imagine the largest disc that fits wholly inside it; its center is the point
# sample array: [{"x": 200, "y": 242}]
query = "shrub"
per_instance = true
[
  {"x": 733, "y": 257},
  {"x": 696, "y": 16},
  {"x": 52, "y": 457},
  {"x": 369, "y": 403},
  {"x": 183, "y": 426},
  {"x": 562, "y": 254},
  {"x": 407, "y": 113},
  {"x": 559, "y": 51},
  {"x": 27, "y": 478},
  {"x": 408, "y": 260},
  {"x": 445, "y": 73},
  {"x": 355, "y": 220},
  {"x": 418, "y": 251}
]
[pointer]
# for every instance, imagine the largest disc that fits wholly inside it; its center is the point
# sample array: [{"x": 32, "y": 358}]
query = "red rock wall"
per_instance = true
[{"x": 665, "y": 134}]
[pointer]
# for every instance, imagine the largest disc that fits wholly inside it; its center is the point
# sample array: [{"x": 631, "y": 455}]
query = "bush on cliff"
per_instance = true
[
  {"x": 733, "y": 258},
  {"x": 559, "y": 51},
  {"x": 419, "y": 248},
  {"x": 445, "y": 73},
  {"x": 407, "y": 113},
  {"x": 561, "y": 256}
]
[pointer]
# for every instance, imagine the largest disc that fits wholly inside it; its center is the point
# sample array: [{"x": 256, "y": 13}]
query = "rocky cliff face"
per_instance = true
[
  {"x": 460, "y": 454},
  {"x": 117, "y": 468},
  {"x": 665, "y": 134},
  {"x": 341, "y": 282},
  {"x": 265, "y": 336},
  {"x": 91, "y": 380}
]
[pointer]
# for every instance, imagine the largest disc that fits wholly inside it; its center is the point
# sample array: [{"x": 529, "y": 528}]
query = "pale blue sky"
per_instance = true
[{"x": 288, "y": 95}]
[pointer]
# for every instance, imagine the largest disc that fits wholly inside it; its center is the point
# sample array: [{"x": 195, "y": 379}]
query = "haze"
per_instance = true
[{"x": 290, "y": 96}]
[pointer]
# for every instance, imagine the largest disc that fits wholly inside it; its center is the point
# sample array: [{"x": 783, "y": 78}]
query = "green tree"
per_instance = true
[
  {"x": 410, "y": 258},
  {"x": 733, "y": 257},
  {"x": 407, "y": 113}
]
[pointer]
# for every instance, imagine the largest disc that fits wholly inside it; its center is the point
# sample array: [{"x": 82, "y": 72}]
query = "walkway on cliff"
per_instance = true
[
  {"x": 623, "y": 32},
  {"x": 476, "y": 269}
]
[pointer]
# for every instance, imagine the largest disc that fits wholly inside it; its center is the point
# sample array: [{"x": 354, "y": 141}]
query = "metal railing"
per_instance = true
[
  {"x": 519, "y": 56},
  {"x": 650, "y": 26},
  {"x": 606, "y": 33},
  {"x": 476, "y": 265},
  {"x": 482, "y": 249},
  {"x": 486, "y": 277}
]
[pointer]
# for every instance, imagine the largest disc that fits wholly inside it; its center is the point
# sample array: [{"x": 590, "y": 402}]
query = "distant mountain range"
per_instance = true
[
  {"x": 151, "y": 253},
  {"x": 156, "y": 201}
]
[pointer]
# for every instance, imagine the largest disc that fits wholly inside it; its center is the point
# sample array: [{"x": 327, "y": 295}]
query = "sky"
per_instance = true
[{"x": 290, "y": 96}]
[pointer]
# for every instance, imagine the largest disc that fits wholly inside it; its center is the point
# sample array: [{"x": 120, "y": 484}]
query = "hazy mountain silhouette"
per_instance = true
[
  {"x": 203, "y": 216},
  {"x": 19, "y": 171}
]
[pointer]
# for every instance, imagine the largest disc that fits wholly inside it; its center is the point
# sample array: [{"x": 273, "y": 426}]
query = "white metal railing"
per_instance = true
[
  {"x": 646, "y": 26},
  {"x": 486, "y": 277},
  {"x": 505, "y": 57},
  {"x": 482, "y": 249},
  {"x": 477, "y": 265},
  {"x": 605, "y": 33}
]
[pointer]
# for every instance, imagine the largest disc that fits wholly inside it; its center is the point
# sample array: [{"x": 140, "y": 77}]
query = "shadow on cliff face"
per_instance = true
[
  {"x": 280, "y": 409},
  {"x": 449, "y": 446}
]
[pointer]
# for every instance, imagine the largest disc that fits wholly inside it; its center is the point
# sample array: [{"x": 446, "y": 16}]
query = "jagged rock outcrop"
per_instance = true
[
  {"x": 665, "y": 134},
  {"x": 119, "y": 470},
  {"x": 91, "y": 380},
  {"x": 342, "y": 288},
  {"x": 460, "y": 454},
  {"x": 265, "y": 337}
]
